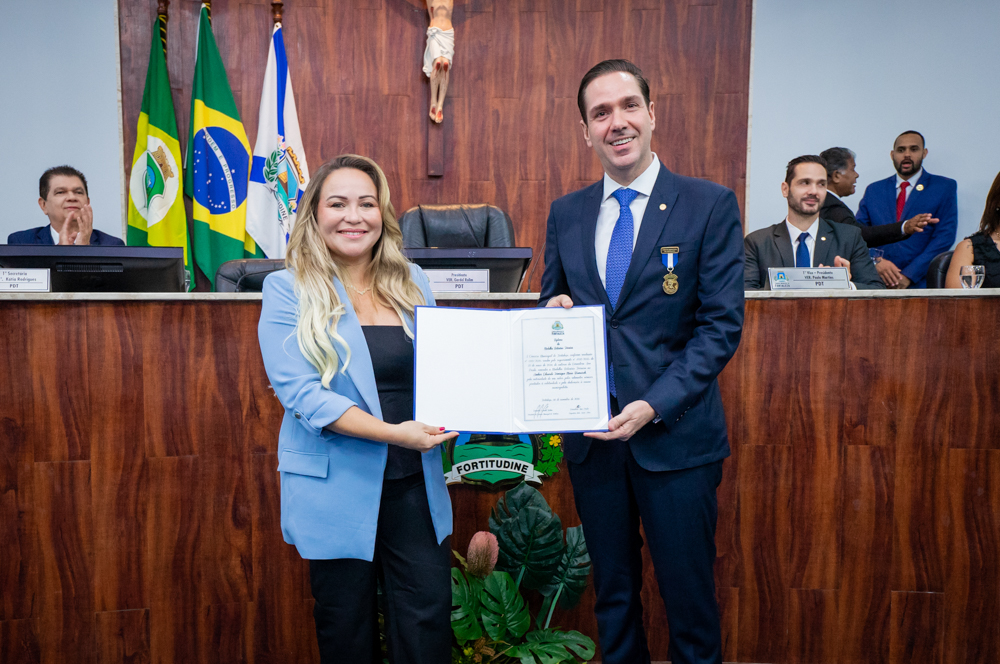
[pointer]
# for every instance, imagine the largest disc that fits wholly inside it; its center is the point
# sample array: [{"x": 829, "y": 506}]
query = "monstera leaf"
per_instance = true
[
  {"x": 529, "y": 535},
  {"x": 465, "y": 606},
  {"x": 570, "y": 578},
  {"x": 502, "y": 607},
  {"x": 549, "y": 646}
]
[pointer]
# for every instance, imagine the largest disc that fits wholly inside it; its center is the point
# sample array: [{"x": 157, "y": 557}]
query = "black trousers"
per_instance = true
[
  {"x": 678, "y": 511},
  {"x": 415, "y": 573}
]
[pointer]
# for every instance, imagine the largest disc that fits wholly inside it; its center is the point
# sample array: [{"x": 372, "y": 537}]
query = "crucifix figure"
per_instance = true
[{"x": 439, "y": 53}]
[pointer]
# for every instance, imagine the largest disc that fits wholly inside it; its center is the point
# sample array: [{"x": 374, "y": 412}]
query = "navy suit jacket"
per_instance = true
[
  {"x": 666, "y": 349},
  {"x": 932, "y": 193},
  {"x": 42, "y": 235}
]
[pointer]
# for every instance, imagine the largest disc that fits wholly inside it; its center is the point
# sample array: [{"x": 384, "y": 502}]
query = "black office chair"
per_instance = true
[
  {"x": 456, "y": 226},
  {"x": 245, "y": 275},
  {"x": 938, "y": 270}
]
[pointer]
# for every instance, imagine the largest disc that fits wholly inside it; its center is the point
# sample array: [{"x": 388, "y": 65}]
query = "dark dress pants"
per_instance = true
[
  {"x": 415, "y": 572},
  {"x": 678, "y": 510}
]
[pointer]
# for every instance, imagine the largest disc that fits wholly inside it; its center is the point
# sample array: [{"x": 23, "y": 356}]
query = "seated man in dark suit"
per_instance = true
[
  {"x": 803, "y": 239},
  {"x": 841, "y": 179},
  {"x": 62, "y": 195}
]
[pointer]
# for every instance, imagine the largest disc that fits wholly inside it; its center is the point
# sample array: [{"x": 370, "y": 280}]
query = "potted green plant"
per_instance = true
[{"x": 525, "y": 549}]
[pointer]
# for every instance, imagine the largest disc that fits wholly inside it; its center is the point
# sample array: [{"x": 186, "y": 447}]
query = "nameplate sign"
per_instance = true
[
  {"x": 469, "y": 281},
  {"x": 27, "y": 280},
  {"x": 797, "y": 278}
]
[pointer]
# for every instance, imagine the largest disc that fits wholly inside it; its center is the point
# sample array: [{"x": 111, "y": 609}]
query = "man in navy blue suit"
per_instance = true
[
  {"x": 912, "y": 194},
  {"x": 63, "y": 198},
  {"x": 664, "y": 255}
]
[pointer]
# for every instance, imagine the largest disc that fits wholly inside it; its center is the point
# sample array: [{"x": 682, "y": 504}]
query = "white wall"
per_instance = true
[
  {"x": 856, "y": 73},
  {"x": 59, "y": 105}
]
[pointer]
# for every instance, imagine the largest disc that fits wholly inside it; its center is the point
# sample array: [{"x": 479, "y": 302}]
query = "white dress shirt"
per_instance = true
[
  {"x": 794, "y": 234},
  {"x": 55, "y": 235},
  {"x": 610, "y": 210},
  {"x": 913, "y": 180}
]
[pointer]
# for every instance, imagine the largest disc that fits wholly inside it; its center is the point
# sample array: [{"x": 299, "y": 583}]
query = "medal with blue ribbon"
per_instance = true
[{"x": 667, "y": 255}]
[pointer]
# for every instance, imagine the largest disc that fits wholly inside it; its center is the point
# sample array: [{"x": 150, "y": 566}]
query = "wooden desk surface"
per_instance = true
[{"x": 859, "y": 514}]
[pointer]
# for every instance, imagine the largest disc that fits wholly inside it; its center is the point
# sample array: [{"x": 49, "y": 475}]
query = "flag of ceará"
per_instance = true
[
  {"x": 279, "y": 173},
  {"x": 156, "y": 216},
  {"x": 217, "y": 162}
]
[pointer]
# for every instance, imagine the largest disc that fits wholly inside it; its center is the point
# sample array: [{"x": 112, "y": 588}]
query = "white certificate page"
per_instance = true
[
  {"x": 562, "y": 371},
  {"x": 520, "y": 371}
]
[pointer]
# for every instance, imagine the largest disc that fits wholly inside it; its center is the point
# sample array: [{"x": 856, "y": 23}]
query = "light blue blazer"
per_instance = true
[{"x": 331, "y": 484}]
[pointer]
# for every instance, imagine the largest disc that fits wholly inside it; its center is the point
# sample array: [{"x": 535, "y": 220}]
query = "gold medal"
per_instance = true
[{"x": 670, "y": 283}]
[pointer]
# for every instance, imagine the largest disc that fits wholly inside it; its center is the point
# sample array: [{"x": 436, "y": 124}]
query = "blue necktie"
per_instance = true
[
  {"x": 619, "y": 257},
  {"x": 802, "y": 253}
]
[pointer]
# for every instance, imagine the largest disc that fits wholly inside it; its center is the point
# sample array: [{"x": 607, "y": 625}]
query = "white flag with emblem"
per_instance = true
[{"x": 279, "y": 173}]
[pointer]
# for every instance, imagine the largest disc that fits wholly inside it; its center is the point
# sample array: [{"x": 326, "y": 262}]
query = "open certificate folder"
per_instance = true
[{"x": 518, "y": 371}]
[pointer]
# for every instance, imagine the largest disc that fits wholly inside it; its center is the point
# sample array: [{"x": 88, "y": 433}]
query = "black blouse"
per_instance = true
[
  {"x": 392, "y": 361},
  {"x": 985, "y": 253}
]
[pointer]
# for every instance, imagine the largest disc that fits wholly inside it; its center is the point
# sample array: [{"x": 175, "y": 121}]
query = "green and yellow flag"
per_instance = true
[
  {"x": 217, "y": 163},
  {"x": 156, "y": 216}
]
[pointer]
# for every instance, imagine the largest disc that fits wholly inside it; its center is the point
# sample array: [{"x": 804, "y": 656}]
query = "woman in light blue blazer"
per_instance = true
[{"x": 363, "y": 494}]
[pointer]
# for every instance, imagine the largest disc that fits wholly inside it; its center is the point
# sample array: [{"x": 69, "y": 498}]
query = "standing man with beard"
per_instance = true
[
  {"x": 804, "y": 239},
  {"x": 662, "y": 254},
  {"x": 912, "y": 193}
]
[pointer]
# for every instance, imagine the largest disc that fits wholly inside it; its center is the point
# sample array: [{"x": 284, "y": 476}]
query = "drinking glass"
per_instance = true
[{"x": 973, "y": 276}]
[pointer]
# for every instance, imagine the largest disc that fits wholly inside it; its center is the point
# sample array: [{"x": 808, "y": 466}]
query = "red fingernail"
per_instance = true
[{"x": 441, "y": 429}]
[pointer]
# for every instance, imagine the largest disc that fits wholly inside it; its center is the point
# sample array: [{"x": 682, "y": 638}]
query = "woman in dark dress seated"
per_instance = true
[
  {"x": 981, "y": 248},
  {"x": 363, "y": 494}
]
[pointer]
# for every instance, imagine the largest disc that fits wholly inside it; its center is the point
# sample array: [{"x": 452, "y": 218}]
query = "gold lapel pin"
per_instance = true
[
  {"x": 823, "y": 238},
  {"x": 663, "y": 206},
  {"x": 920, "y": 187}
]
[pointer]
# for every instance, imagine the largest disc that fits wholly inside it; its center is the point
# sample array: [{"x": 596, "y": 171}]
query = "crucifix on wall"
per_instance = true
[{"x": 438, "y": 57}]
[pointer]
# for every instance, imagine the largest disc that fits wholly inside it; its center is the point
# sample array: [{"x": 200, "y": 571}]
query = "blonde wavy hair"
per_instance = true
[{"x": 314, "y": 268}]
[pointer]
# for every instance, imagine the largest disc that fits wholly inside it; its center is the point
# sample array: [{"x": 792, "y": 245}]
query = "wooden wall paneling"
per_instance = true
[
  {"x": 474, "y": 137},
  {"x": 506, "y": 72},
  {"x": 562, "y": 44},
  {"x": 65, "y": 604},
  {"x": 765, "y": 495},
  {"x": 262, "y": 412},
  {"x": 405, "y": 25},
  {"x": 972, "y": 587},
  {"x": 863, "y": 603},
  {"x": 18, "y": 643},
  {"x": 534, "y": 91},
  {"x": 972, "y": 382},
  {"x": 174, "y": 537},
  {"x": 532, "y": 202},
  {"x": 169, "y": 416},
  {"x": 122, "y": 636},
  {"x": 227, "y": 631},
  {"x": 18, "y": 574},
  {"x": 280, "y": 576},
  {"x": 506, "y": 147},
  {"x": 225, "y": 531},
  {"x": 246, "y": 58},
  {"x": 59, "y": 406},
  {"x": 812, "y": 626},
  {"x": 118, "y": 469},
  {"x": 729, "y": 612},
  {"x": 917, "y": 628},
  {"x": 817, "y": 451}
]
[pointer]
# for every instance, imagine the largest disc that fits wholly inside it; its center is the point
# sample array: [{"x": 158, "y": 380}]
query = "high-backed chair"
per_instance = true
[
  {"x": 246, "y": 275},
  {"x": 456, "y": 226},
  {"x": 938, "y": 270}
]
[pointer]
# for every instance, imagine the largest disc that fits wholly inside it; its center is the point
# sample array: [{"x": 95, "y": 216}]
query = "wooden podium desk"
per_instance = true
[{"x": 859, "y": 515}]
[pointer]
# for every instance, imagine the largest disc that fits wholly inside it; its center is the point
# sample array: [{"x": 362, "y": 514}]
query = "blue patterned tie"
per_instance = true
[
  {"x": 619, "y": 257},
  {"x": 802, "y": 253}
]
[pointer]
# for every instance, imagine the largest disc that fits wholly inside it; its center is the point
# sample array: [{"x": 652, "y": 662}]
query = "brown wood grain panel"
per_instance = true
[
  {"x": 18, "y": 643},
  {"x": 920, "y": 515},
  {"x": 262, "y": 412},
  {"x": 227, "y": 631},
  {"x": 504, "y": 136},
  {"x": 65, "y": 635},
  {"x": 729, "y": 612},
  {"x": 64, "y": 536},
  {"x": 533, "y": 155},
  {"x": 195, "y": 341},
  {"x": 59, "y": 407},
  {"x": 972, "y": 586},
  {"x": 812, "y": 626},
  {"x": 972, "y": 381},
  {"x": 225, "y": 546},
  {"x": 765, "y": 493},
  {"x": 118, "y": 470},
  {"x": 917, "y": 629},
  {"x": 506, "y": 68},
  {"x": 122, "y": 636},
  {"x": 863, "y": 603},
  {"x": 562, "y": 46},
  {"x": 18, "y": 574},
  {"x": 816, "y": 512}
]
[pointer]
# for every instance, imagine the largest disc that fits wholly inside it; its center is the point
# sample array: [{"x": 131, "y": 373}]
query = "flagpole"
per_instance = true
[
  {"x": 162, "y": 10},
  {"x": 277, "y": 6}
]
